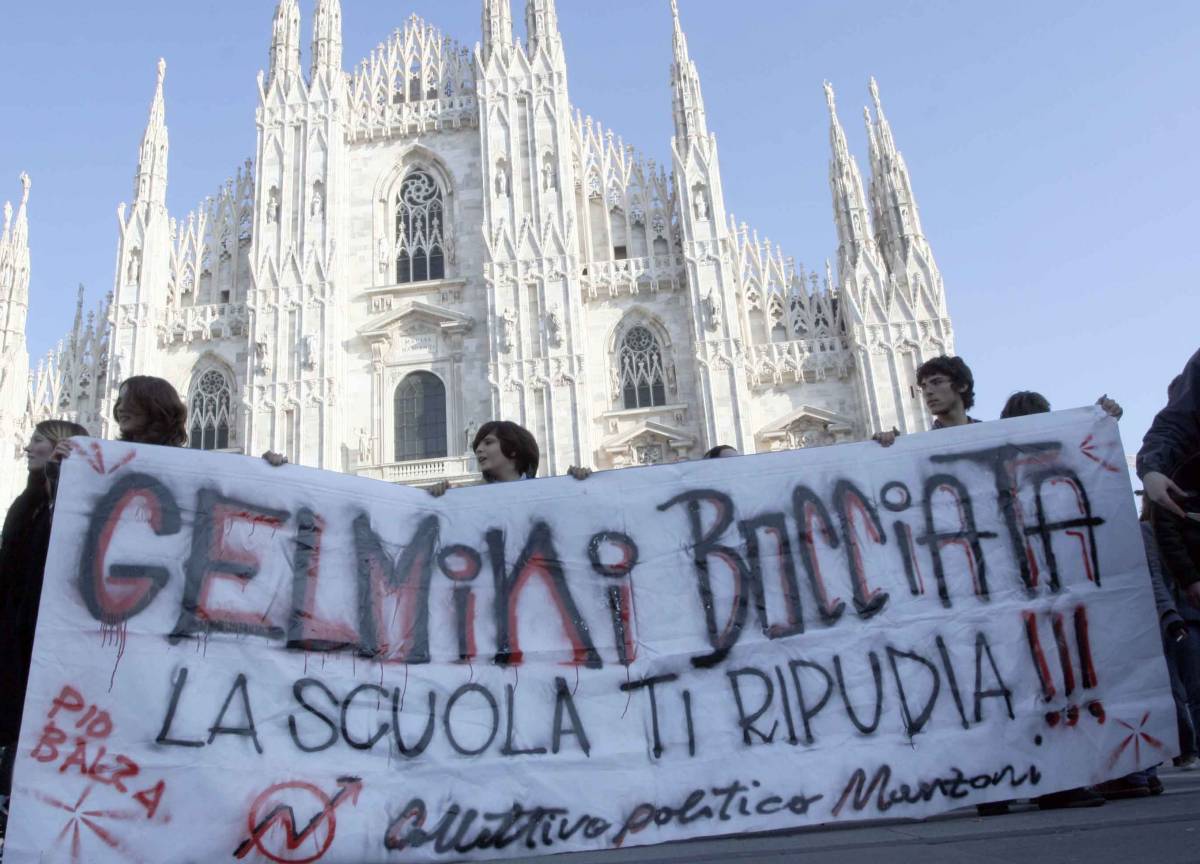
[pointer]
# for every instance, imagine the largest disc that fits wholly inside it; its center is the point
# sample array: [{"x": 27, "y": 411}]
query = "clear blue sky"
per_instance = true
[{"x": 1053, "y": 146}]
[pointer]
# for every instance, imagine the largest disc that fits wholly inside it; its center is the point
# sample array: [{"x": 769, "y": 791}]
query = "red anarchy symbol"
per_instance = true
[{"x": 271, "y": 809}]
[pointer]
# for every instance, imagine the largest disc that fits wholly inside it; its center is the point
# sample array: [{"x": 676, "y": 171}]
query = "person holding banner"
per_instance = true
[
  {"x": 1028, "y": 402},
  {"x": 948, "y": 387},
  {"x": 23, "y": 549},
  {"x": 1171, "y": 439},
  {"x": 1024, "y": 402},
  {"x": 505, "y": 451},
  {"x": 598, "y": 763},
  {"x": 148, "y": 410},
  {"x": 949, "y": 390},
  {"x": 1179, "y": 546},
  {"x": 1021, "y": 404}
]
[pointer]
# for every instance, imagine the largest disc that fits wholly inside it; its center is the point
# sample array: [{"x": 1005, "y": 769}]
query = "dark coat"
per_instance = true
[
  {"x": 1165, "y": 588},
  {"x": 23, "y": 548},
  {"x": 1179, "y": 546},
  {"x": 1175, "y": 433}
]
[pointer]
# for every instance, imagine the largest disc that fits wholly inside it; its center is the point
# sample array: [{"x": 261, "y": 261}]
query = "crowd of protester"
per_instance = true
[{"x": 148, "y": 410}]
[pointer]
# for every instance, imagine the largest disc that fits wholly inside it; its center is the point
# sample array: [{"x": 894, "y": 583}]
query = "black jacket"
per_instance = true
[
  {"x": 1178, "y": 545},
  {"x": 1175, "y": 433},
  {"x": 23, "y": 548}
]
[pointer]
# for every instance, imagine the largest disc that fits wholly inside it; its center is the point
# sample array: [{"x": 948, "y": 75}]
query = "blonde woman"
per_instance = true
[{"x": 23, "y": 548}]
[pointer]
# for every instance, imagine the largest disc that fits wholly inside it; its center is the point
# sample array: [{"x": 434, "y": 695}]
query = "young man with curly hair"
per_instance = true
[{"x": 948, "y": 387}]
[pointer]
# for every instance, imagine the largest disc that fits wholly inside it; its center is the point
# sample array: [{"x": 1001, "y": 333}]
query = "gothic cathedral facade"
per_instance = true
[{"x": 439, "y": 238}]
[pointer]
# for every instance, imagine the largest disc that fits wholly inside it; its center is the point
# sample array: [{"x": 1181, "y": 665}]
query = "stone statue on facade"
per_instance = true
[
  {"x": 712, "y": 311},
  {"x": 261, "y": 360},
  {"x": 507, "y": 331},
  {"x": 366, "y": 455},
  {"x": 134, "y": 273},
  {"x": 554, "y": 328}
]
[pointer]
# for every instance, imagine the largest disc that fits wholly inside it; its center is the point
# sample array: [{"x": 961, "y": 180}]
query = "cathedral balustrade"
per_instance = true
[
  {"x": 421, "y": 471},
  {"x": 184, "y": 324},
  {"x": 632, "y": 275},
  {"x": 798, "y": 360},
  {"x": 373, "y": 119}
]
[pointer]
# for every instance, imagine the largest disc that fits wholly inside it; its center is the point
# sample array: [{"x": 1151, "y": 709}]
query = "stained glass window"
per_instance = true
[
  {"x": 420, "y": 418},
  {"x": 641, "y": 369},
  {"x": 210, "y": 412},
  {"x": 420, "y": 215}
]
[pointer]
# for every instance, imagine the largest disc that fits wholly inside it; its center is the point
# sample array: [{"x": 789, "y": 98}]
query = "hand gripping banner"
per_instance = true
[{"x": 241, "y": 663}]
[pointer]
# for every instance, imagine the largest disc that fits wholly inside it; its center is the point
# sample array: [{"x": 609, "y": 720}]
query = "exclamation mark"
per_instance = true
[
  {"x": 1039, "y": 657},
  {"x": 1064, "y": 654},
  {"x": 1070, "y": 714},
  {"x": 1085, "y": 647},
  {"x": 1087, "y": 667}
]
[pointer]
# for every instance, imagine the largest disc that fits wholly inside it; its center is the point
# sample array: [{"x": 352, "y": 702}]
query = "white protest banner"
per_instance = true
[{"x": 235, "y": 662}]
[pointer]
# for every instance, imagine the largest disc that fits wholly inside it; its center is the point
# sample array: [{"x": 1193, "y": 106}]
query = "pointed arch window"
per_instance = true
[
  {"x": 420, "y": 406},
  {"x": 420, "y": 226},
  {"x": 210, "y": 411},
  {"x": 640, "y": 375}
]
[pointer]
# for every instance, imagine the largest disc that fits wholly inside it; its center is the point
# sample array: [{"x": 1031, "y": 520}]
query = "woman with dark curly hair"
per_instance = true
[{"x": 149, "y": 411}]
